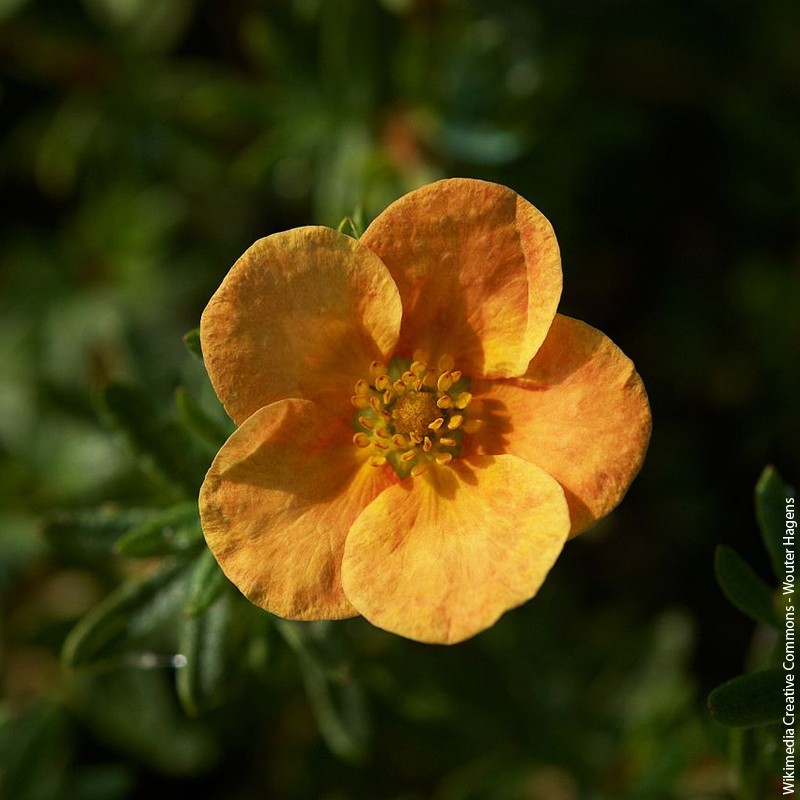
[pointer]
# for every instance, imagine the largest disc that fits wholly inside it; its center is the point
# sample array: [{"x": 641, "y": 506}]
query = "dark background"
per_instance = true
[{"x": 144, "y": 146}]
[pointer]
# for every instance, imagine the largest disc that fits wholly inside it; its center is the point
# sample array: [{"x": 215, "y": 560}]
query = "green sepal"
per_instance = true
[
  {"x": 196, "y": 420},
  {"x": 744, "y": 587},
  {"x": 336, "y": 698},
  {"x": 162, "y": 442},
  {"x": 174, "y": 531},
  {"x": 750, "y": 700},
  {"x": 771, "y": 495},
  {"x": 125, "y": 617},
  {"x": 206, "y": 584},
  {"x": 213, "y": 645},
  {"x": 192, "y": 341}
]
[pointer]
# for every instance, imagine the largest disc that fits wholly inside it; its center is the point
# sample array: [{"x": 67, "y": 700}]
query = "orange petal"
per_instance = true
[
  {"x": 301, "y": 314},
  {"x": 478, "y": 270},
  {"x": 440, "y": 558},
  {"x": 580, "y": 412},
  {"x": 277, "y": 503}
]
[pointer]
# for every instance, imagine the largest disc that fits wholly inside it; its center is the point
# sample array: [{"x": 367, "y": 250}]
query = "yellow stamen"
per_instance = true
[
  {"x": 409, "y": 456},
  {"x": 418, "y": 368},
  {"x": 427, "y": 444},
  {"x": 382, "y": 433},
  {"x": 436, "y": 424},
  {"x": 362, "y": 387},
  {"x": 444, "y": 458},
  {"x": 446, "y": 441},
  {"x": 455, "y": 421},
  {"x": 415, "y": 437},
  {"x": 364, "y": 422},
  {"x": 375, "y": 403},
  {"x": 360, "y": 401},
  {"x": 445, "y": 401},
  {"x": 361, "y": 440},
  {"x": 376, "y": 368},
  {"x": 399, "y": 440},
  {"x": 399, "y": 387},
  {"x": 456, "y": 375},
  {"x": 463, "y": 400},
  {"x": 418, "y": 469},
  {"x": 377, "y": 461},
  {"x": 383, "y": 382},
  {"x": 445, "y": 382},
  {"x": 388, "y": 396}
]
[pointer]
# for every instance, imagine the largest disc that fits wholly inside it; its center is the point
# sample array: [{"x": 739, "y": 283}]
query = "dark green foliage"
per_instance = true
[
  {"x": 754, "y": 699},
  {"x": 744, "y": 588}
]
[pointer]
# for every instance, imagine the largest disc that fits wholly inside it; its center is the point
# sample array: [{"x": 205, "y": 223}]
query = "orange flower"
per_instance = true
[{"x": 419, "y": 431}]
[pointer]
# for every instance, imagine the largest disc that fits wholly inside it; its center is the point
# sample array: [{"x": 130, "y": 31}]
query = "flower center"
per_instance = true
[{"x": 411, "y": 414}]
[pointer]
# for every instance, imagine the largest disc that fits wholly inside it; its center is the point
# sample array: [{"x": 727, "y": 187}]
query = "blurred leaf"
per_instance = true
[
  {"x": 92, "y": 532},
  {"x": 125, "y": 617},
  {"x": 744, "y": 587},
  {"x": 134, "y": 710},
  {"x": 196, "y": 420},
  {"x": 771, "y": 494},
  {"x": 754, "y": 699},
  {"x": 174, "y": 531},
  {"x": 192, "y": 341},
  {"x": 336, "y": 698},
  {"x": 162, "y": 442},
  {"x": 205, "y": 585},
  {"x": 213, "y": 645},
  {"x": 32, "y": 752}
]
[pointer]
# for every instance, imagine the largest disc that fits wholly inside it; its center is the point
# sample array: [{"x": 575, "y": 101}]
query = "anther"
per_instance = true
[
  {"x": 381, "y": 445},
  {"x": 445, "y": 382},
  {"x": 445, "y": 401},
  {"x": 382, "y": 433},
  {"x": 383, "y": 382},
  {"x": 446, "y": 441},
  {"x": 408, "y": 377},
  {"x": 418, "y": 469},
  {"x": 362, "y": 387},
  {"x": 409, "y": 455},
  {"x": 399, "y": 387},
  {"x": 418, "y": 368},
  {"x": 376, "y": 368},
  {"x": 456, "y": 375},
  {"x": 415, "y": 437},
  {"x": 463, "y": 400},
  {"x": 427, "y": 444},
  {"x": 399, "y": 440},
  {"x": 377, "y": 461},
  {"x": 430, "y": 378},
  {"x": 361, "y": 440},
  {"x": 386, "y": 415},
  {"x": 446, "y": 363},
  {"x": 375, "y": 402},
  {"x": 444, "y": 458},
  {"x": 388, "y": 396},
  {"x": 360, "y": 401},
  {"x": 455, "y": 421},
  {"x": 364, "y": 422},
  {"x": 436, "y": 424}
]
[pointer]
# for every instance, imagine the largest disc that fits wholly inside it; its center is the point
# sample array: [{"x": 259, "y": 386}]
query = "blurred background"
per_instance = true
[{"x": 144, "y": 146}]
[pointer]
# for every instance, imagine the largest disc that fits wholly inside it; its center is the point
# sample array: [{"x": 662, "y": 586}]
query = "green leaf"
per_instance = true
[
  {"x": 206, "y": 584},
  {"x": 176, "y": 530},
  {"x": 192, "y": 341},
  {"x": 213, "y": 645},
  {"x": 164, "y": 443},
  {"x": 125, "y": 617},
  {"x": 744, "y": 587},
  {"x": 336, "y": 698},
  {"x": 92, "y": 533},
  {"x": 771, "y": 495},
  {"x": 207, "y": 429},
  {"x": 749, "y": 700}
]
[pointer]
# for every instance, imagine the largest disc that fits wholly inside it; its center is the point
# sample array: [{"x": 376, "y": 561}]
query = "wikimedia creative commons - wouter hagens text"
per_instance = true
[{"x": 789, "y": 654}]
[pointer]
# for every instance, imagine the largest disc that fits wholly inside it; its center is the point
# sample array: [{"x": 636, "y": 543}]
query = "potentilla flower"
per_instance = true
[{"x": 419, "y": 432}]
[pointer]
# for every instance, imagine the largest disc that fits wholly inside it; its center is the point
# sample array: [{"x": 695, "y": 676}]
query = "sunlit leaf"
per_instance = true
[
  {"x": 744, "y": 587},
  {"x": 125, "y": 617},
  {"x": 192, "y": 341},
  {"x": 754, "y": 699},
  {"x": 205, "y": 585},
  {"x": 173, "y": 531}
]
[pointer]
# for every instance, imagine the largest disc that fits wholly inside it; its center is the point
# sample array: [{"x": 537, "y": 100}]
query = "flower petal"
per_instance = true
[
  {"x": 301, "y": 314},
  {"x": 440, "y": 558},
  {"x": 478, "y": 270},
  {"x": 580, "y": 412},
  {"x": 277, "y": 503}
]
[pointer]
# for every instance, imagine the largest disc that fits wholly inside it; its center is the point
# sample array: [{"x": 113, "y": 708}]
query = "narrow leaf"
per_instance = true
[
  {"x": 192, "y": 341},
  {"x": 164, "y": 443},
  {"x": 207, "y": 429},
  {"x": 749, "y": 700},
  {"x": 175, "y": 530},
  {"x": 744, "y": 587},
  {"x": 772, "y": 493},
  {"x": 125, "y": 616},
  {"x": 206, "y": 584}
]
